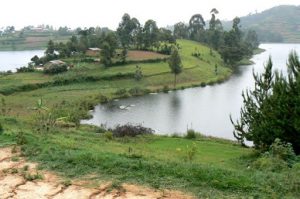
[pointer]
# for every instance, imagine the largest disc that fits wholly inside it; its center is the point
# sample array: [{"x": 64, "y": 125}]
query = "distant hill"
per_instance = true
[{"x": 278, "y": 24}]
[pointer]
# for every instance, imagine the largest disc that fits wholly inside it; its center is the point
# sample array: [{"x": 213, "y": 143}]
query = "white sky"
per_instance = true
[{"x": 108, "y": 13}]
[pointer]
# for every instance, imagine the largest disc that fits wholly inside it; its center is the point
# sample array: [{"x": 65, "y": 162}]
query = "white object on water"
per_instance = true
[{"x": 122, "y": 107}]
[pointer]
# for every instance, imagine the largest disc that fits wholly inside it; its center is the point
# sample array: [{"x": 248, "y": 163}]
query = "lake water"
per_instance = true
[
  {"x": 206, "y": 110},
  {"x": 11, "y": 60}
]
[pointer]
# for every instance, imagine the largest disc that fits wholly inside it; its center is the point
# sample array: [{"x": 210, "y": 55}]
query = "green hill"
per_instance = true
[{"x": 278, "y": 24}]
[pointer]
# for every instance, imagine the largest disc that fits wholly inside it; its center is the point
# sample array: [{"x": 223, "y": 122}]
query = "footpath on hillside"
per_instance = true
[{"x": 20, "y": 179}]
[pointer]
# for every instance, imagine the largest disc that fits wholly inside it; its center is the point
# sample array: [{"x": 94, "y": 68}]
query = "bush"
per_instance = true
[
  {"x": 136, "y": 91},
  {"x": 121, "y": 92},
  {"x": 25, "y": 69},
  {"x": 108, "y": 135},
  {"x": 55, "y": 69},
  {"x": 130, "y": 130},
  {"x": 190, "y": 134},
  {"x": 270, "y": 164},
  {"x": 282, "y": 151},
  {"x": 20, "y": 138},
  {"x": 203, "y": 84},
  {"x": 166, "y": 89},
  {"x": 100, "y": 130},
  {"x": 1, "y": 128},
  {"x": 191, "y": 152}
]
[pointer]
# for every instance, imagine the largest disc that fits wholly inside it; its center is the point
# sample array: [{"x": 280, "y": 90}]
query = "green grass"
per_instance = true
[{"x": 219, "y": 168}]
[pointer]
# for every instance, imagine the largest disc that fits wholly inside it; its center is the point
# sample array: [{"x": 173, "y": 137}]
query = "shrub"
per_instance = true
[
  {"x": 100, "y": 130},
  {"x": 25, "y": 69},
  {"x": 1, "y": 128},
  {"x": 166, "y": 89},
  {"x": 55, "y": 69},
  {"x": 130, "y": 130},
  {"x": 190, "y": 134},
  {"x": 136, "y": 91},
  {"x": 108, "y": 135},
  {"x": 270, "y": 164},
  {"x": 138, "y": 73},
  {"x": 191, "y": 152},
  {"x": 282, "y": 151},
  {"x": 121, "y": 92},
  {"x": 20, "y": 138}
]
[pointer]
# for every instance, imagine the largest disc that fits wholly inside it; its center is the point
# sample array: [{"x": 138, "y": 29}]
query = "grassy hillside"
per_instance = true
[
  {"x": 278, "y": 24},
  {"x": 87, "y": 81}
]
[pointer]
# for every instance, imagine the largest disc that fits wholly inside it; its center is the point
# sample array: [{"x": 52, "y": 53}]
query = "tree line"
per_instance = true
[{"x": 233, "y": 45}]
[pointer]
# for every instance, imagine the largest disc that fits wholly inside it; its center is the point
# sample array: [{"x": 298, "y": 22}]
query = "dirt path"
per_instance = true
[{"x": 20, "y": 179}]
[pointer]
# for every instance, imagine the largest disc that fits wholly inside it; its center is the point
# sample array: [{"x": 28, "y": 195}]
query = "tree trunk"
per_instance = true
[{"x": 175, "y": 81}]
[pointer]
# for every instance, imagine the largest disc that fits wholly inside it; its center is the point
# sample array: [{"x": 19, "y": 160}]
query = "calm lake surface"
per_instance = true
[
  {"x": 11, "y": 60},
  {"x": 205, "y": 109}
]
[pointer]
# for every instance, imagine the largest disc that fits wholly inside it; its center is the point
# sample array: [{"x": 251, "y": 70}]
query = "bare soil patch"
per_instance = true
[
  {"x": 138, "y": 55},
  {"x": 20, "y": 179}
]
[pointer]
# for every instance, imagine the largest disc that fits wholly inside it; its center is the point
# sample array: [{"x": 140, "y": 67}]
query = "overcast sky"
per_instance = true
[{"x": 108, "y": 13}]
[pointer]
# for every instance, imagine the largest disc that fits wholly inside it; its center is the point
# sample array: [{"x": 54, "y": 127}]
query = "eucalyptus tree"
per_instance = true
[
  {"x": 150, "y": 33},
  {"x": 215, "y": 30},
  {"x": 126, "y": 30},
  {"x": 181, "y": 30},
  {"x": 196, "y": 26}
]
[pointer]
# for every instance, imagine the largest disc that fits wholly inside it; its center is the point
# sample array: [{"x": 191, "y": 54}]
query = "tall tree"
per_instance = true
[
  {"x": 252, "y": 39},
  {"x": 180, "y": 31},
  {"x": 234, "y": 48},
  {"x": 150, "y": 34},
  {"x": 196, "y": 25},
  {"x": 215, "y": 30},
  {"x": 126, "y": 30},
  {"x": 212, "y": 22},
  {"x": 175, "y": 63},
  {"x": 106, "y": 55},
  {"x": 108, "y": 49},
  {"x": 50, "y": 47}
]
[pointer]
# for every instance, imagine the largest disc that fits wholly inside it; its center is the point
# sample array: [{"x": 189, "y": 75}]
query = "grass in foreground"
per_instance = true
[{"x": 216, "y": 168}]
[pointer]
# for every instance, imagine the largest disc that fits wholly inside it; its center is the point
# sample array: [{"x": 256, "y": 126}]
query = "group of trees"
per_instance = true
[
  {"x": 130, "y": 34},
  {"x": 7, "y": 31},
  {"x": 133, "y": 35},
  {"x": 272, "y": 109},
  {"x": 233, "y": 45}
]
